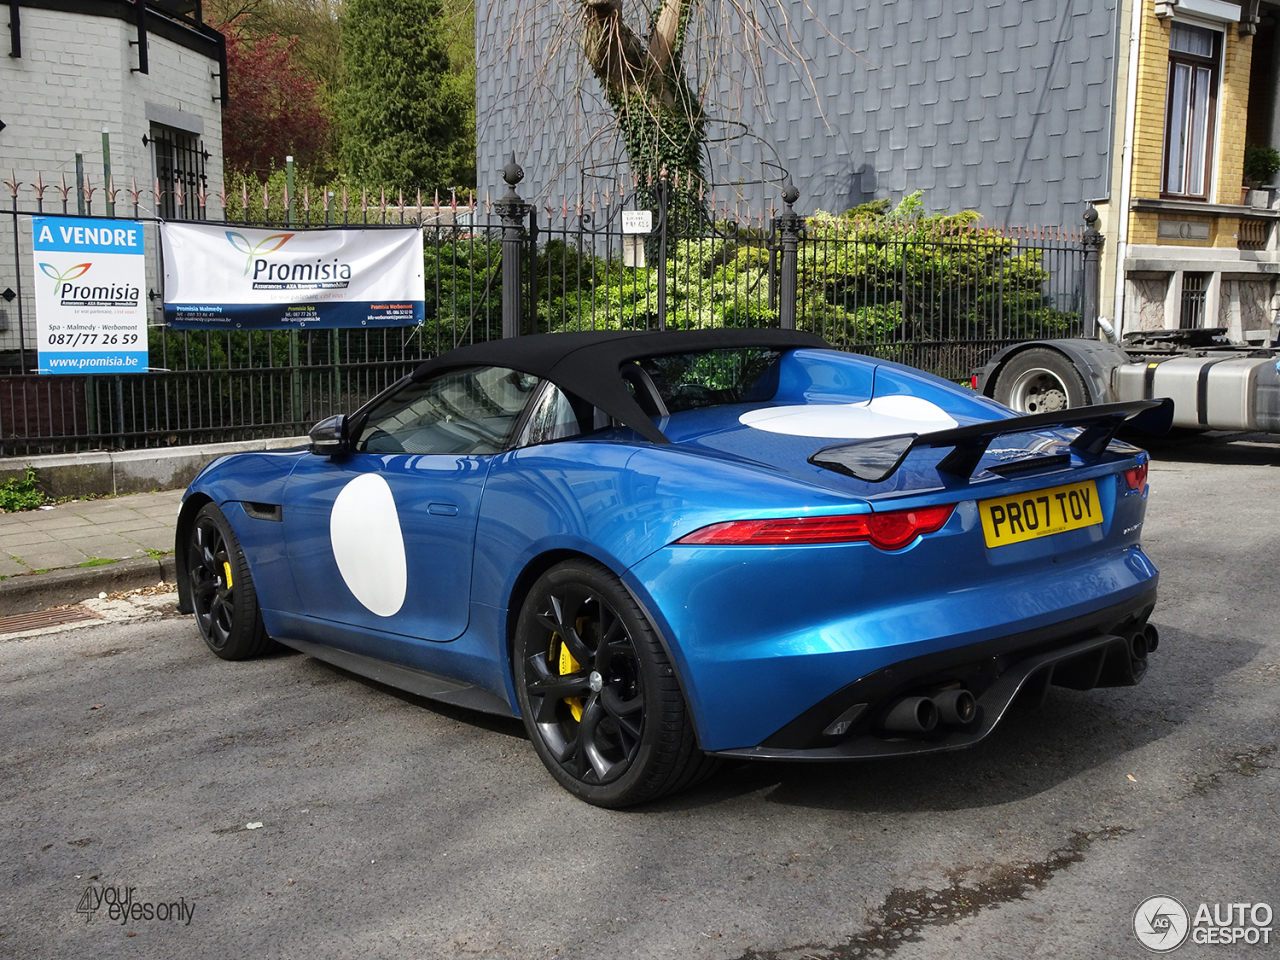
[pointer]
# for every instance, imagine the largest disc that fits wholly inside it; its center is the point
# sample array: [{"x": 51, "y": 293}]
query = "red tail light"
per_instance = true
[
  {"x": 1136, "y": 477},
  {"x": 888, "y": 531},
  {"x": 973, "y": 382}
]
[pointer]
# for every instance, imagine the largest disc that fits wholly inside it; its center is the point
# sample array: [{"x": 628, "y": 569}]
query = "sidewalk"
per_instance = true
[{"x": 79, "y": 549}]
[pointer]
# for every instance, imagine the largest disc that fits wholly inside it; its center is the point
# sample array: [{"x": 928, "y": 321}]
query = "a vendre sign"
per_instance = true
[{"x": 90, "y": 277}]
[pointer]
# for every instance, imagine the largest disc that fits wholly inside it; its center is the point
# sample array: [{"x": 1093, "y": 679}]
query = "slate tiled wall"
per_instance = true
[{"x": 1002, "y": 107}]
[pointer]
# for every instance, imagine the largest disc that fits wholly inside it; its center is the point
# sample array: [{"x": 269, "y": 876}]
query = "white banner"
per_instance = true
[
  {"x": 232, "y": 277},
  {"x": 91, "y": 277}
]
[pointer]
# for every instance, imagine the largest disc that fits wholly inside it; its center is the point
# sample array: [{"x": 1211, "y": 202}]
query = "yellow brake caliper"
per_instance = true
[
  {"x": 569, "y": 665},
  {"x": 226, "y": 573}
]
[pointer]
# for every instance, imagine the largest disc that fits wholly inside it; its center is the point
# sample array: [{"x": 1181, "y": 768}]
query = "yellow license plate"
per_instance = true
[{"x": 1040, "y": 513}]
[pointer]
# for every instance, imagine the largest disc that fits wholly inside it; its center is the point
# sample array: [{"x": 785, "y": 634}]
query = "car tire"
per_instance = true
[
  {"x": 222, "y": 593},
  {"x": 598, "y": 694},
  {"x": 1040, "y": 380}
]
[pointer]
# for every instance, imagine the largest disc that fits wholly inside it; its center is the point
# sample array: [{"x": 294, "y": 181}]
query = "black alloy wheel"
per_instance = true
[
  {"x": 598, "y": 694},
  {"x": 222, "y": 593}
]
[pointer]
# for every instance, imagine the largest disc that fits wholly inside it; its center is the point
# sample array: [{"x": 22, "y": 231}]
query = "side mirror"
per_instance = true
[{"x": 329, "y": 437}]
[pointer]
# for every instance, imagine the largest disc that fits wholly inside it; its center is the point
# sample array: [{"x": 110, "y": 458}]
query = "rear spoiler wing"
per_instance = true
[{"x": 878, "y": 459}]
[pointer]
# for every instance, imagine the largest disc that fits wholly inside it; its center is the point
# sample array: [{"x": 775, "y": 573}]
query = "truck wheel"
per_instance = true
[{"x": 1040, "y": 380}]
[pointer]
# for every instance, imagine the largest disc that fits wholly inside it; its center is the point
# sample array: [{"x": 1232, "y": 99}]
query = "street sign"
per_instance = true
[{"x": 637, "y": 221}]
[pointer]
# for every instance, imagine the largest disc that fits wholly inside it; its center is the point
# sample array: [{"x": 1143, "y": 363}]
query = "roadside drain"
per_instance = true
[{"x": 59, "y": 616}]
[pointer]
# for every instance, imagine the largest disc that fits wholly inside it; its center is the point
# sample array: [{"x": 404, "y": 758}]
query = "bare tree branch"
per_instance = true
[{"x": 667, "y": 29}]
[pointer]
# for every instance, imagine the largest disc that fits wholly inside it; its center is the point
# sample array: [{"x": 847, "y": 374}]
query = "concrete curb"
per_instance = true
[
  {"x": 113, "y": 473},
  {"x": 32, "y": 592}
]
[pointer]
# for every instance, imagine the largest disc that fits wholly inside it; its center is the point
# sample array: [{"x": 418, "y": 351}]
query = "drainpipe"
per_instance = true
[{"x": 1126, "y": 163}]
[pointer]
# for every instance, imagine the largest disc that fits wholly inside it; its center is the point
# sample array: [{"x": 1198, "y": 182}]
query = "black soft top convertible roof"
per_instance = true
[{"x": 588, "y": 364}]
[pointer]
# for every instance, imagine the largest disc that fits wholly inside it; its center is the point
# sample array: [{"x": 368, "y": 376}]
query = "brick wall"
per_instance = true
[
  {"x": 1148, "y": 134},
  {"x": 1234, "y": 104},
  {"x": 74, "y": 77},
  {"x": 1229, "y": 127}
]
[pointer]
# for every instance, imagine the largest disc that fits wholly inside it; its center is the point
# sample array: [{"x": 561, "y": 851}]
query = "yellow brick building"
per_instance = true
[{"x": 1191, "y": 245}]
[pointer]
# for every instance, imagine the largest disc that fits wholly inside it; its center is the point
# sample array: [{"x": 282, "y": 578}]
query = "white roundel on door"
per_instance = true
[{"x": 364, "y": 529}]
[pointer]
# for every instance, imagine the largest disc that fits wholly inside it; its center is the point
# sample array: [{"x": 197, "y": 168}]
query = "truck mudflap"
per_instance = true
[
  {"x": 1230, "y": 392},
  {"x": 1093, "y": 360}
]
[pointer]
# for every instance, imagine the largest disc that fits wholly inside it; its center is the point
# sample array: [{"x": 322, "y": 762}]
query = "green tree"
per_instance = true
[{"x": 406, "y": 113}]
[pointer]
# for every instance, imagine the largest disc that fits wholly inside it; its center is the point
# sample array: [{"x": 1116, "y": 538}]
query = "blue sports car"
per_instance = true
[{"x": 662, "y": 549}]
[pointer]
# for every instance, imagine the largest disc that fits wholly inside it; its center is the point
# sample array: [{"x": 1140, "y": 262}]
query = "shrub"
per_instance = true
[
  {"x": 874, "y": 275},
  {"x": 21, "y": 493},
  {"x": 1261, "y": 163}
]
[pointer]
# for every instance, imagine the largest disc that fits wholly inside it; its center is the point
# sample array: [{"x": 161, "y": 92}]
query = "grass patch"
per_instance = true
[
  {"x": 155, "y": 554},
  {"x": 21, "y": 493},
  {"x": 96, "y": 562}
]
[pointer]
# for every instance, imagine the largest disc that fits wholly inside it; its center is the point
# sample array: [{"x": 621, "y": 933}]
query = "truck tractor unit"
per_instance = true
[{"x": 1215, "y": 384}]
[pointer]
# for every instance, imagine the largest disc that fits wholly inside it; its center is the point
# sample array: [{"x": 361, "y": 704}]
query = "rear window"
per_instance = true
[{"x": 686, "y": 381}]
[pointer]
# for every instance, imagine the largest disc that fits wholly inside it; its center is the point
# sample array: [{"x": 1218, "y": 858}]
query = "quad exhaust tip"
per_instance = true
[
  {"x": 1144, "y": 642},
  {"x": 1138, "y": 646},
  {"x": 912, "y": 716},
  {"x": 920, "y": 716},
  {"x": 1110, "y": 660},
  {"x": 956, "y": 708}
]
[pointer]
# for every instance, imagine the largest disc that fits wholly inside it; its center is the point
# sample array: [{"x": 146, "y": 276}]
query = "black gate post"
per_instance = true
[
  {"x": 512, "y": 211},
  {"x": 1093, "y": 241},
  {"x": 664, "y": 209},
  {"x": 529, "y": 315},
  {"x": 14, "y": 184},
  {"x": 789, "y": 224}
]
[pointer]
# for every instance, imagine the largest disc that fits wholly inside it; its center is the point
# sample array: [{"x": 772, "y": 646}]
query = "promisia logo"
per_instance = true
[
  {"x": 49, "y": 270},
  {"x": 262, "y": 248}
]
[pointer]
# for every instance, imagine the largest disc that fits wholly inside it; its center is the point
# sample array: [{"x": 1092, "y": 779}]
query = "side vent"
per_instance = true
[{"x": 263, "y": 511}]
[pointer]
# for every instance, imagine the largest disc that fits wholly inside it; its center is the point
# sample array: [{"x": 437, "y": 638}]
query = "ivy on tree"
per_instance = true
[{"x": 659, "y": 115}]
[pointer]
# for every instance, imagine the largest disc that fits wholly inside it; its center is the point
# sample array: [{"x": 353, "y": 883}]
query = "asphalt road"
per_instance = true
[{"x": 136, "y": 765}]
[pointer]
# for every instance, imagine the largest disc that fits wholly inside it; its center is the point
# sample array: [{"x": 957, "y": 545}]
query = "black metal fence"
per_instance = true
[{"x": 939, "y": 293}]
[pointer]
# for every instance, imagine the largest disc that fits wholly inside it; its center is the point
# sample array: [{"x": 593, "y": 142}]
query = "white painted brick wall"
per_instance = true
[{"x": 74, "y": 78}]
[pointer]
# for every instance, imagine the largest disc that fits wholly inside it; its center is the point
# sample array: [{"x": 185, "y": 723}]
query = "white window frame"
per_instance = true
[{"x": 1213, "y": 120}]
